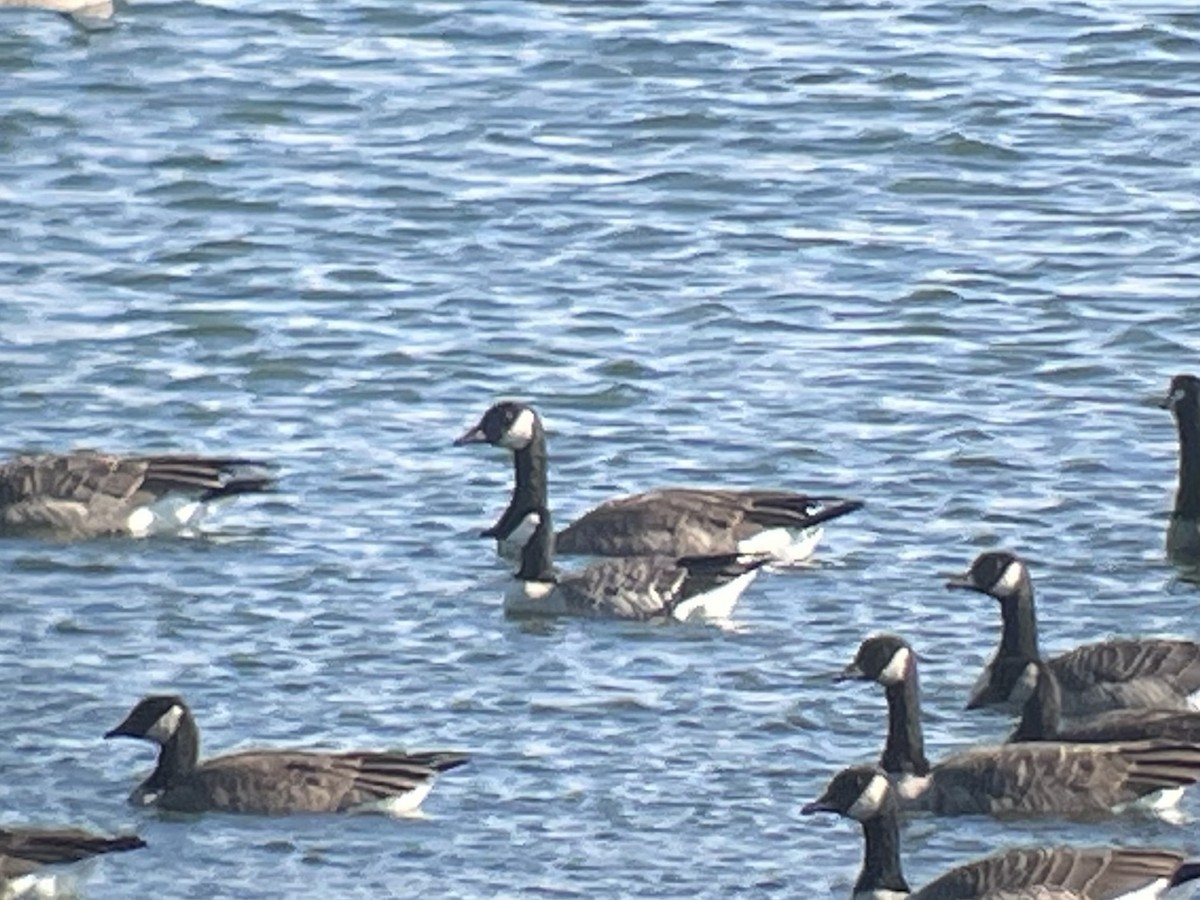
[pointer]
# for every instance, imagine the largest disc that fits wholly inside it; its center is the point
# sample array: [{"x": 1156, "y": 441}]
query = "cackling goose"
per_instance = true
[
  {"x": 87, "y": 494},
  {"x": 670, "y": 522},
  {"x": 632, "y": 587},
  {"x": 1041, "y": 718},
  {"x": 25, "y": 851},
  {"x": 1183, "y": 532},
  {"x": 273, "y": 782},
  {"x": 1048, "y": 778},
  {"x": 1151, "y": 673},
  {"x": 863, "y": 793}
]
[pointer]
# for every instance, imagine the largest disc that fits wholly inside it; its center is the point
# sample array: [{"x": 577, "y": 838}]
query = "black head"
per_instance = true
[
  {"x": 998, "y": 573},
  {"x": 884, "y": 658},
  {"x": 1184, "y": 389},
  {"x": 508, "y": 424},
  {"x": 859, "y": 792},
  {"x": 156, "y": 718}
]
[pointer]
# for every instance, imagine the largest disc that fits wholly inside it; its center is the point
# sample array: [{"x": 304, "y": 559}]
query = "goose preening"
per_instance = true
[
  {"x": 865, "y": 794},
  {"x": 1183, "y": 532},
  {"x": 1151, "y": 673},
  {"x": 87, "y": 494},
  {"x": 645, "y": 588},
  {"x": 273, "y": 782},
  {"x": 1046, "y": 778},
  {"x": 1041, "y": 718},
  {"x": 671, "y": 522},
  {"x": 25, "y": 852}
]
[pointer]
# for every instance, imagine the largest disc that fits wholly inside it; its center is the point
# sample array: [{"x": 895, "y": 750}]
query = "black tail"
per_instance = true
[
  {"x": 213, "y": 477},
  {"x": 729, "y": 565},
  {"x": 1188, "y": 871},
  {"x": 800, "y": 511}
]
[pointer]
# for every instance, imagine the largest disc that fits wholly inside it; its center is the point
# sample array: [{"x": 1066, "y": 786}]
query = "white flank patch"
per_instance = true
[
  {"x": 896, "y": 671},
  {"x": 1193, "y": 701},
  {"x": 534, "y": 598},
  {"x": 32, "y": 886},
  {"x": 785, "y": 547},
  {"x": 870, "y": 800},
  {"x": 140, "y": 521},
  {"x": 1010, "y": 579},
  {"x": 881, "y": 894},
  {"x": 911, "y": 788},
  {"x": 717, "y": 603},
  {"x": 169, "y": 515},
  {"x": 407, "y": 804},
  {"x": 1024, "y": 687},
  {"x": 520, "y": 432},
  {"x": 1163, "y": 804},
  {"x": 520, "y": 535},
  {"x": 1151, "y": 891},
  {"x": 166, "y": 726}
]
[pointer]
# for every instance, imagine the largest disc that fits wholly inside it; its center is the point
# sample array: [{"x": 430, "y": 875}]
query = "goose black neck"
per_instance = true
[
  {"x": 881, "y": 854},
  {"x": 1042, "y": 712},
  {"x": 530, "y": 483},
  {"x": 1187, "y": 499},
  {"x": 537, "y": 556},
  {"x": 904, "y": 752},
  {"x": 177, "y": 758},
  {"x": 1019, "y": 638}
]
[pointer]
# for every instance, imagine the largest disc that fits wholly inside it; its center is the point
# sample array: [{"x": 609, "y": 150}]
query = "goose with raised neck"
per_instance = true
[
  {"x": 1183, "y": 530},
  {"x": 864, "y": 794},
  {"x": 1048, "y": 778},
  {"x": 671, "y": 522},
  {"x": 1122, "y": 673},
  {"x": 277, "y": 781}
]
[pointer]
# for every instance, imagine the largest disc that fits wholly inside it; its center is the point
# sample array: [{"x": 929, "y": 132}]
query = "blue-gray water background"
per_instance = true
[{"x": 936, "y": 255}]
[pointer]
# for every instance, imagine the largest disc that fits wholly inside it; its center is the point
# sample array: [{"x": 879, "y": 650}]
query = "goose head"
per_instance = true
[
  {"x": 1183, "y": 389},
  {"x": 998, "y": 574},
  {"x": 882, "y": 658},
  {"x": 859, "y": 792},
  {"x": 156, "y": 719},
  {"x": 507, "y": 424}
]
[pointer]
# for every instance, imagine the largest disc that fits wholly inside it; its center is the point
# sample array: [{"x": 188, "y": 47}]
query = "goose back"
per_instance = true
[
  {"x": 86, "y": 493},
  {"x": 25, "y": 850}
]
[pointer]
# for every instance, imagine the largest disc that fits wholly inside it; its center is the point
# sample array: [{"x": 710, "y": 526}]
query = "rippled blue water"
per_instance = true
[{"x": 937, "y": 255}]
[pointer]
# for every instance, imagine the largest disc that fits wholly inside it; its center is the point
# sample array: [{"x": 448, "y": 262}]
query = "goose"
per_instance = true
[
  {"x": 24, "y": 852},
  {"x": 669, "y": 522},
  {"x": 1041, "y": 718},
  {"x": 272, "y": 782},
  {"x": 1183, "y": 532},
  {"x": 1047, "y": 778},
  {"x": 1152, "y": 673},
  {"x": 643, "y": 588},
  {"x": 864, "y": 793},
  {"x": 87, "y": 494},
  {"x": 83, "y": 11}
]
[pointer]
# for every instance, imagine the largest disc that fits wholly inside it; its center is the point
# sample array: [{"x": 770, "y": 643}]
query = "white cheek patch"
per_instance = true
[
  {"x": 870, "y": 801},
  {"x": 520, "y": 433},
  {"x": 1010, "y": 580},
  {"x": 896, "y": 671},
  {"x": 523, "y": 533},
  {"x": 166, "y": 726}
]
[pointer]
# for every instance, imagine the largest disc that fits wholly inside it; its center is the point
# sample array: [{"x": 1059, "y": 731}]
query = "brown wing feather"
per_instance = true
[
  {"x": 24, "y": 850},
  {"x": 1061, "y": 779},
  {"x": 1068, "y": 872},
  {"x": 688, "y": 521}
]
